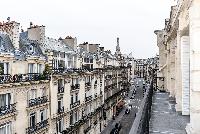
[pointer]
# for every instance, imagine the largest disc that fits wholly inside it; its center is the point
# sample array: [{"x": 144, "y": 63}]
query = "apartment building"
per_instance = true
[
  {"x": 24, "y": 90},
  {"x": 178, "y": 44},
  {"x": 56, "y": 86}
]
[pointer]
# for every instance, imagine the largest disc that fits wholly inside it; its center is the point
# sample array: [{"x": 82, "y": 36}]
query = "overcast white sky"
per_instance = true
[{"x": 95, "y": 21}]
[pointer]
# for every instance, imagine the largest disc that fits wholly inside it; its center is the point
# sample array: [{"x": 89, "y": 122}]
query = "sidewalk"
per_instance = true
[
  {"x": 111, "y": 123},
  {"x": 164, "y": 118}
]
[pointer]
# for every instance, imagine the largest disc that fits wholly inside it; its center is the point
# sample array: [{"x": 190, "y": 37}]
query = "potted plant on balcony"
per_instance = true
[{"x": 45, "y": 76}]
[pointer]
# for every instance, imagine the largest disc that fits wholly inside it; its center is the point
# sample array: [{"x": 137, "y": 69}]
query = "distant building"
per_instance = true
[{"x": 50, "y": 86}]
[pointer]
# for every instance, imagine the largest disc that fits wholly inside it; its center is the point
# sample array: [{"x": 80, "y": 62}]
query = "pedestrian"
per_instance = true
[{"x": 113, "y": 117}]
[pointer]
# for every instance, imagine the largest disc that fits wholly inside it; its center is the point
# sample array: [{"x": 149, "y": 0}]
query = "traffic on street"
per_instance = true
[{"x": 122, "y": 123}]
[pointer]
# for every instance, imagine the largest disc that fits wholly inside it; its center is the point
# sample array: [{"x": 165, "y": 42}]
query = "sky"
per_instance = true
[{"x": 95, "y": 21}]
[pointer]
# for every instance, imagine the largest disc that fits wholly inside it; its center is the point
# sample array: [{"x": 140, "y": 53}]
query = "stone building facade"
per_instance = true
[
  {"x": 179, "y": 49},
  {"x": 55, "y": 86}
]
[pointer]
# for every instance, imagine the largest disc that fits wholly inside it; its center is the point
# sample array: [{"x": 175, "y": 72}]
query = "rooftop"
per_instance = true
[{"x": 164, "y": 118}]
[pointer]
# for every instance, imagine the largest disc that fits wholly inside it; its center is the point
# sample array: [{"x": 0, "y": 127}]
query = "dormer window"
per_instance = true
[{"x": 32, "y": 48}]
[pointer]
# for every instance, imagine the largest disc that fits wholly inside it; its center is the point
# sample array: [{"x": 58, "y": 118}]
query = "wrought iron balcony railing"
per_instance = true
[
  {"x": 7, "y": 109},
  {"x": 75, "y": 104},
  {"x": 61, "y": 90},
  {"x": 88, "y": 84},
  {"x": 61, "y": 110},
  {"x": 75, "y": 87},
  {"x": 89, "y": 98},
  {"x": 7, "y": 78},
  {"x": 37, "y": 127},
  {"x": 37, "y": 101}
]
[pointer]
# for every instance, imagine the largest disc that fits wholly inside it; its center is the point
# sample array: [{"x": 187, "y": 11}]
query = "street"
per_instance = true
[{"x": 126, "y": 120}]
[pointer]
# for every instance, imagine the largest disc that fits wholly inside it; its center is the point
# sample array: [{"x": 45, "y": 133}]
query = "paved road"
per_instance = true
[{"x": 126, "y": 120}]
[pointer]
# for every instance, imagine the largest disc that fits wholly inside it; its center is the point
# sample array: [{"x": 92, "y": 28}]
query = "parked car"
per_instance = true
[
  {"x": 132, "y": 97},
  {"x": 127, "y": 111},
  {"x": 118, "y": 126}
]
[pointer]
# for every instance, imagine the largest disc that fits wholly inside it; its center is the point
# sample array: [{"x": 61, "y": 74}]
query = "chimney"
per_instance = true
[
  {"x": 36, "y": 33},
  {"x": 85, "y": 46},
  {"x": 102, "y": 49},
  {"x": 12, "y": 30},
  {"x": 72, "y": 42},
  {"x": 93, "y": 48}
]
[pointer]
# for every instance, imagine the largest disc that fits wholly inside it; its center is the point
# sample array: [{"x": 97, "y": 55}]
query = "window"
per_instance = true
[
  {"x": 32, "y": 122},
  {"x": 4, "y": 67},
  {"x": 32, "y": 94},
  {"x": 30, "y": 68},
  {"x": 91, "y": 60},
  {"x": 5, "y": 99},
  {"x": 43, "y": 115},
  {"x": 60, "y": 126},
  {"x": 44, "y": 92},
  {"x": 60, "y": 83},
  {"x": 5, "y": 128},
  {"x": 39, "y": 68},
  {"x": 76, "y": 116},
  {"x": 76, "y": 97},
  {"x": 75, "y": 81},
  {"x": 72, "y": 99},
  {"x": 60, "y": 103},
  {"x": 71, "y": 118}
]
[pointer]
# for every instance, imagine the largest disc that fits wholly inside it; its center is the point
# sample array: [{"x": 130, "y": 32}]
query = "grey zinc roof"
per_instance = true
[
  {"x": 6, "y": 44},
  {"x": 55, "y": 45},
  {"x": 29, "y": 47}
]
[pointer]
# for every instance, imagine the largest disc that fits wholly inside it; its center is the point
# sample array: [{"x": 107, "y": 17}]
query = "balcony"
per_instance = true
[
  {"x": 7, "y": 78},
  {"x": 39, "y": 126},
  {"x": 88, "y": 84},
  {"x": 8, "y": 109},
  {"x": 37, "y": 101},
  {"x": 75, "y": 104},
  {"x": 61, "y": 110},
  {"x": 89, "y": 98},
  {"x": 61, "y": 90},
  {"x": 75, "y": 87}
]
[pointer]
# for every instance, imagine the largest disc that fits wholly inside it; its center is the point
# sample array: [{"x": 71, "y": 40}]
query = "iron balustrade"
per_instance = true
[
  {"x": 88, "y": 84},
  {"x": 88, "y": 98},
  {"x": 75, "y": 104},
  {"x": 37, "y": 127},
  {"x": 38, "y": 101},
  {"x": 61, "y": 110},
  {"x": 7, "y": 109},
  {"x": 75, "y": 87},
  {"x": 7, "y": 78},
  {"x": 61, "y": 89},
  {"x": 75, "y": 70}
]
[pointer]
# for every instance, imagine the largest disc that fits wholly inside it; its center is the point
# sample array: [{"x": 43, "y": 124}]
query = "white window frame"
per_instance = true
[{"x": 8, "y": 128}]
